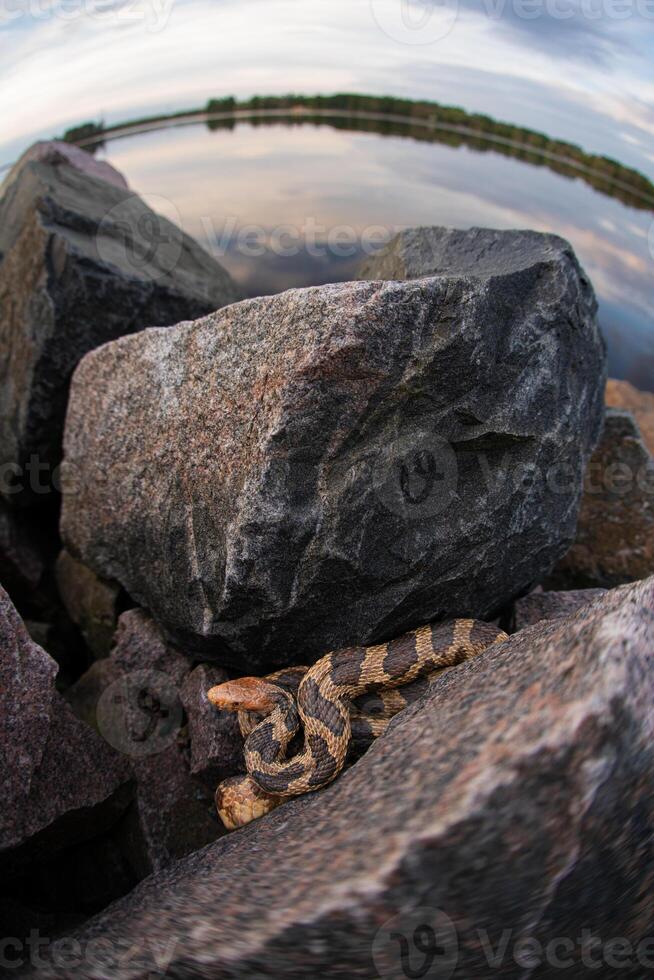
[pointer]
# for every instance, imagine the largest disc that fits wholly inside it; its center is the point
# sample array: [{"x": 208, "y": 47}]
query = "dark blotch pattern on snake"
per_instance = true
[{"x": 347, "y": 698}]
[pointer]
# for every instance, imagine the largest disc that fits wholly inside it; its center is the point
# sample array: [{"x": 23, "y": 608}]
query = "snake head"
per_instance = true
[{"x": 245, "y": 694}]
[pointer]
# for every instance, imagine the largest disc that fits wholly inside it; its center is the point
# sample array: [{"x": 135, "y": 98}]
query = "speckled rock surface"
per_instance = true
[
  {"x": 216, "y": 744},
  {"x": 28, "y": 676},
  {"x": 140, "y": 645},
  {"x": 515, "y": 797},
  {"x": 83, "y": 261},
  {"x": 537, "y": 606},
  {"x": 621, "y": 394},
  {"x": 615, "y": 535},
  {"x": 61, "y": 782},
  {"x": 343, "y": 463}
]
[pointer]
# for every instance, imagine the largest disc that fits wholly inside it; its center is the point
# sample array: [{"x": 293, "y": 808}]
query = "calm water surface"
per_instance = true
[
  {"x": 578, "y": 70},
  {"x": 255, "y": 195}
]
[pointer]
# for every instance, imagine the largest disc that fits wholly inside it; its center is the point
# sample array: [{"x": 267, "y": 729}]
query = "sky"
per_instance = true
[{"x": 581, "y": 70}]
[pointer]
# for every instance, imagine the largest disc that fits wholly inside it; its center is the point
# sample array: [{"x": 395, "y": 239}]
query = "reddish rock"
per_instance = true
[
  {"x": 139, "y": 644},
  {"x": 615, "y": 531},
  {"x": 61, "y": 782},
  {"x": 622, "y": 394},
  {"x": 513, "y": 801},
  {"x": 536, "y": 606}
]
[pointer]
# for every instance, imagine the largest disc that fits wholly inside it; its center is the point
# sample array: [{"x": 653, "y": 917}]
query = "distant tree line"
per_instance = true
[
  {"x": 419, "y": 120},
  {"x": 87, "y": 131}
]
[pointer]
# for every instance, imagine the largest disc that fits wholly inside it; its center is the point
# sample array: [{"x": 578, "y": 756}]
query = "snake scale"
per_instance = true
[{"x": 345, "y": 699}]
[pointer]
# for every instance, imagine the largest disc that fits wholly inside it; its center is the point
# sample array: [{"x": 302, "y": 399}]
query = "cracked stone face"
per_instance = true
[{"x": 341, "y": 464}]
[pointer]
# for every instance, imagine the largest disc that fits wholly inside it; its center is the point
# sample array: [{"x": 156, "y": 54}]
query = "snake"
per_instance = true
[{"x": 334, "y": 708}]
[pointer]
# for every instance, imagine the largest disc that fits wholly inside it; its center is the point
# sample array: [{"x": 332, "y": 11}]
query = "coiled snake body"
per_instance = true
[{"x": 324, "y": 702}]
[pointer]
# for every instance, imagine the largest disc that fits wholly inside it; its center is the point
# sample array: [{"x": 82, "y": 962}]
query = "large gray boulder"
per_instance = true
[
  {"x": 84, "y": 260},
  {"x": 61, "y": 783},
  {"x": 477, "y": 252},
  {"x": 340, "y": 464},
  {"x": 509, "y": 809}
]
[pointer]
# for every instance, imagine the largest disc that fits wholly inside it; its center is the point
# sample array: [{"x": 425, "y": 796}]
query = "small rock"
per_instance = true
[
  {"x": 509, "y": 808},
  {"x": 61, "y": 782},
  {"x": 621, "y": 394},
  {"x": 133, "y": 699},
  {"x": 343, "y": 463},
  {"x": 91, "y": 602},
  {"x": 140, "y": 645},
  {"x": 84, "y": 260},
  {"x": 216, "y": 741},
  {"x": 537, "y": 606},
  {"x": 615, "y": 532}
]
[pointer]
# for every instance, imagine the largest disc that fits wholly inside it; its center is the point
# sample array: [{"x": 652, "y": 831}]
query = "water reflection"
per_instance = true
[{"x": 234, "y": 189}]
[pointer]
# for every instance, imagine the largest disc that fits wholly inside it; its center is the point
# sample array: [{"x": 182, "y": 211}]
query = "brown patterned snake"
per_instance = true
[{"x": 318, "y": 701}]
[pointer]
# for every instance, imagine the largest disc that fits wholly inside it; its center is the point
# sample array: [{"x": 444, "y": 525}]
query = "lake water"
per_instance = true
[
  {"x": 577, "y": 70},
  {"x": 292, "y": 205}
]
